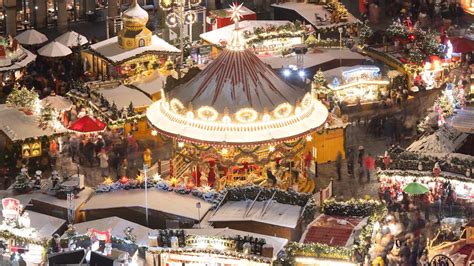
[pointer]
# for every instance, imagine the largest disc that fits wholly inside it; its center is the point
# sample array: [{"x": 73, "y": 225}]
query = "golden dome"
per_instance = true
[{"x": 135, "y": 17}]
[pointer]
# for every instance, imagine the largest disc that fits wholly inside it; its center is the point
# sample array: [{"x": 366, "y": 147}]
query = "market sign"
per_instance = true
[
  {"x": 204, "y": 242},
  {"x": 29, "y": 150}
]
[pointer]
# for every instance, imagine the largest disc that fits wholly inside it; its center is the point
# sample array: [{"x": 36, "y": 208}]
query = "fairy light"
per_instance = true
[
  {"x": 309, "y": 138},
  {"x": 271, "y": 148},
  {"x": 154, "y": 133},
  {"x": 180, "y": 145}
]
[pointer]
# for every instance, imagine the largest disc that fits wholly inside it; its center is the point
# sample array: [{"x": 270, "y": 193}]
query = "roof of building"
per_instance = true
[
  {"x": 19, "y": 126},
  {"x": 236, "y": 80},
  {"x": 277, "y": 243},
  {"x": 123, "y": 95},
  {"x": 23, "y": 62},
  {"x": 111, "y": 50},
  {"x": 332, "y": 230},
  {"x": 275, "y": 213},
  {"x": 163, "y": 201},
  {"x": 464, "y": 120},
  {"x": 225, "y": 33},
  {"x": 118, "y": 226},
  {"x": 45, "y": 225}
]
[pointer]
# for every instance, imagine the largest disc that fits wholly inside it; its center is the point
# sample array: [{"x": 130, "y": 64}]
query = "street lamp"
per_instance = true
[
  {"x": 181, "y": 13},
  {"x": 340, "y": 29}
]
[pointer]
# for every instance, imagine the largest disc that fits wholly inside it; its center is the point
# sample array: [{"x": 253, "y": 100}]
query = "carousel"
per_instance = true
[{"x": 237, "y": 121}]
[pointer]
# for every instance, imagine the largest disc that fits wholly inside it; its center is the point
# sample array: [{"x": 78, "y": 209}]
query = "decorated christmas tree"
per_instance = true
[
  {"x": 416, "y": 56},
  {"x": 23, "y": 98},
  {"x": 21, "y": 182},
  {"x": 311, "y": 41},
  {"x": 364, "y": 34},
  {"x": 320, "y": 83},
  {"x": 46, "y": 115},
  {"x": 130, "y": 110}
]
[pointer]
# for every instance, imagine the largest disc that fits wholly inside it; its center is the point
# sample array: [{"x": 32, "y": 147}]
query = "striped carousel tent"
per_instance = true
[{"x": 238, "y": 100}]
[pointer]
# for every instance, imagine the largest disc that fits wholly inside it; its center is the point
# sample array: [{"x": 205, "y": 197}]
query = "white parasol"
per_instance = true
[
  {"x": 31, "y": 37},
  {"x": 54, "y": 49},
  {"x": 72, "y": 39}
]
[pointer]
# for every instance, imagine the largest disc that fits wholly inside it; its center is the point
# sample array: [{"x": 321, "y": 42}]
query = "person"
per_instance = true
[
  {"x": 271, "y": 179},
  {"x": 360, "y": 161},
  {"x": 339, "y": 165},
  {"x": 350, "y": 162},
  {"x": 369, "y": 166},
  {"x": 103, "y": 162},
  {"x": 89, "y": 152},
  {"x": 439, "y": 208}
]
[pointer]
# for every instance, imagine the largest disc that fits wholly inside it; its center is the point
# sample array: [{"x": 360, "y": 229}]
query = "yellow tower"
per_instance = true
[{"x": 134, "y": 33}]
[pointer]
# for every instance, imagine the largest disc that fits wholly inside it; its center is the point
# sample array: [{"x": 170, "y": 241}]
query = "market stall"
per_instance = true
[
  {"x": 13, "y": 58},
  {"x": 358, "y": 84}
]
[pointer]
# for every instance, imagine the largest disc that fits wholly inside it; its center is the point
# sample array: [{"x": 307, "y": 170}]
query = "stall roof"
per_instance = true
[
  {"x": 118, "y": 226},
  {"x": 123, "y": 95},
  {"x": 308, "y": 12},
  {"x": 151, "y": 84},
  {"x": 30, "y": 57},
  {"x": 464, "y": 120},
  {"x": 277, "y": 243},
  {"x": 163, "y": 201},
  {"x": 45, "y": 225},
  {"x": 275, "y": 213},
  {"x": 19, "y": 126},
  {"x": 112, "y": 51},
  {"x": 333, "y": 230},
  {"x": 446, "y": 139},
  {"x": 225, "y": 33}
]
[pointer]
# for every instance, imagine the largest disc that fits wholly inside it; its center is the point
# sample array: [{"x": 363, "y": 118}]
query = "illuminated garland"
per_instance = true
[
  {"x": 8, "y": 235},
  {"x": 294, "y": 249}
]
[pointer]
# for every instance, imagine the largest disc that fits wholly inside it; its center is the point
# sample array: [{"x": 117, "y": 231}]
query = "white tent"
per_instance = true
[
  {"x": 57, "y": 102},
  {"x": 54, "y": 49},
  {"x": 72, "y": 39},
  {"x": 31, "y": 37}
]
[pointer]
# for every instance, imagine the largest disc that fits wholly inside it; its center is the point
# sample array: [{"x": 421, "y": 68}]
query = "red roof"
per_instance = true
[
  {"x": 326, "y": 230},
  {"x": 462, "y": 45},
  {"x": 87, "y": 124}
]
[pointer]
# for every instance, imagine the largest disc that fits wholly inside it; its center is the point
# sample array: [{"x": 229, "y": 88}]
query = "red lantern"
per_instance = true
[{"x": 411, "y": 37}]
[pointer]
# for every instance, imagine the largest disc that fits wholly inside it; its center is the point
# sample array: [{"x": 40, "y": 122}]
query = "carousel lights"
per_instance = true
[
  {"x": 224, "y": 151},
  {"x": 271, "y": 148},
  {"x": 283, "y": 110},
  {"x": 180, "y": 144},
  {"x": 189, "y": 115},
  {"x": 309, "y": 138},
  {"x": 246, "y": 115},
  {"x": 154, "y": 133},
  {"x": 226, "y": 119},
  {"x": 207, "y": 113}
]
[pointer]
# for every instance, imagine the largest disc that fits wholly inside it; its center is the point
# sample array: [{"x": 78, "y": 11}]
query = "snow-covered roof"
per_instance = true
[
  {"x": 163, "y": 201},
  {"x": 30, "y": 57},
  {"x": 225, "y": 33},
  {"x": 312, "y": 59},
  {"x": 151, "y": 84},
  {"x": 309, "y": 12},
  {"x": 57, "y": 102},
  {"x": 45, "y": 225},
  {"x": 42, "y": 196},
  {"x": 123, "y": 95},
  {"x": 275, "y": 213},
  {"x": 464, "y": 120},
  {"x": 446, "y": 139},
  {"x": 19, "y": 126},
  {"x": 72, "y": 39},
  {"x": 118, "y": 226},
  {"x": 111, "y": 50},
  {"x": 277, "y": 243}
]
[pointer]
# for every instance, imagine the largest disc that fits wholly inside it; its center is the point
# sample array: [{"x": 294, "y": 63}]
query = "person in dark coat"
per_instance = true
[
  {"x": 350, "y": 162},
  {"x": 89, "y": 152},
  {"x": 339, "y": 165}
]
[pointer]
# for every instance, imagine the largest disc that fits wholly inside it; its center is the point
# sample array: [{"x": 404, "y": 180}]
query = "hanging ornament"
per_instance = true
[
  {"x": 411, "y": 37},
  {"x": 172, "y": 20},
  {"x": 166, "y": 5},
  {"x": 190, "y": 17}
]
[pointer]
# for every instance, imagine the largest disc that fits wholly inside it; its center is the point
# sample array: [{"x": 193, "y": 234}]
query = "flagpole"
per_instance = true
[{"x": 146, "y": 193}]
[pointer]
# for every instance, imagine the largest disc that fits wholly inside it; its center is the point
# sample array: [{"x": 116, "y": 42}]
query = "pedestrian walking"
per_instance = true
[
  {"x": 350, "y": 162},
  {"x": 360, "y": 161},
  {"x": 369, "y": 166},
  {"x": 103, "y": 162},
  {"x": 339, "y": 165}
]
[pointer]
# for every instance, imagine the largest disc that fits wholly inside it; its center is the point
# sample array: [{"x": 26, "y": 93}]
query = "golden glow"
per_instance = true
[
  {"x": 154, "y": 133},
  {"x": 226, "y": 119},
  {"x": 266, "y": 118},
  {"x": 246, "y": 115},
  {"x": 309, "y": 138},
  {"x": 297, "y": 110},
  {"x": 283, "y": 110},
  {"x": 208, "y": 113},
  {"x": 177, "y": 106},
  {"x": 180, "y": 144},
  {"x": 271, "y": 148},
  {"x": 190, "y": 115},
  {"x": 224, "y": 151},
  {"x": 306, "y": 102},
  {"x": 358, "y": 83}
]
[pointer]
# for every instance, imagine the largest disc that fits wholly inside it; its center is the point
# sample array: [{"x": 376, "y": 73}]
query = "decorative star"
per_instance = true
[{"x": 236, "y": 12}]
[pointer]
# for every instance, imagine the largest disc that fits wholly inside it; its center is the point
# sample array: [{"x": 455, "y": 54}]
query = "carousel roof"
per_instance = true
[{"x": 235, "y": 80}]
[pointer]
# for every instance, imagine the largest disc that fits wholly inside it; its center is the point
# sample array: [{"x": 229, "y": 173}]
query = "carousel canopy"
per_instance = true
[
  {"x": 237, "y": 99},
  {"x": 31, "y": 37},
  {"x": 54, "y": 49},
  {"x": 87, "y": 124},
  {"x": 72, "y": 39}
]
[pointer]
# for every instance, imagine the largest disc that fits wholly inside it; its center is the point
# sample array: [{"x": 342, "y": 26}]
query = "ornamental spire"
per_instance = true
[{"x": 237, "y": 43}]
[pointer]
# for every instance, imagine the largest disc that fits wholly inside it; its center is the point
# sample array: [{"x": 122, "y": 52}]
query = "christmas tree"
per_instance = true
[
  {"x": 46, "y": 115},
  {"x": 319, "y": 79},
  {"x": 130, "y": 110},
  {"x": 364, "y": 34},
  {"x": 311, "y": 41},
  {"x": 23, "y": 98},
  {"x": 21, "y": 182},
  {"x": 416, "y": 56}
]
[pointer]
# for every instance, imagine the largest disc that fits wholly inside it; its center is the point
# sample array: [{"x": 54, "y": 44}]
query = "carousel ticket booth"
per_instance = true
[
  {"x": 354, "y": 85},
  {"x": 134, "y": 50}
]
